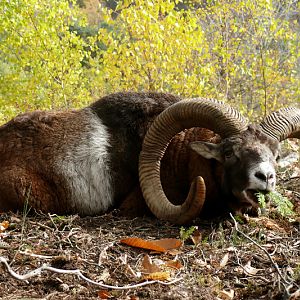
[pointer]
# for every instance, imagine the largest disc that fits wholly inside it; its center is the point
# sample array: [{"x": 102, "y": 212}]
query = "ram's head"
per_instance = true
[{"x": 247, "y": 153}]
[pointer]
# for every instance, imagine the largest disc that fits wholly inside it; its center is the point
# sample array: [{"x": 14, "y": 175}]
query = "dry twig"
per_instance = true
[
  {"x": 78, "y": 273},
  {"x": 287, "y": 284}
]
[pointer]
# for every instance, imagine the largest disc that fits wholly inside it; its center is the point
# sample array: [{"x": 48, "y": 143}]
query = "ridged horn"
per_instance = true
[
  {"x": 197, "y": 112},
  {"x": 282, "y": 124}
]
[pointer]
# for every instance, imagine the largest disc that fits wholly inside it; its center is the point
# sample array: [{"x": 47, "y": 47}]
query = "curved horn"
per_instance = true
[
  {"x": 282, "y": 124},
  {"x": 198, "y": 112}
]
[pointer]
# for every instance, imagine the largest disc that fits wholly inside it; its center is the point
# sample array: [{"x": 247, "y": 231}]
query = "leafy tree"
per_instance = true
[
  {"x": 245, "y": 52},
  {"x": 40, "y": 58},
  {"x": 255, "y": 48},
  {"x": 153, "y": 47}
]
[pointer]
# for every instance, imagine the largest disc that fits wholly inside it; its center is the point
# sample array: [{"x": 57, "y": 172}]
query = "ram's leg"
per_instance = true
[
  {"x": 134, "y": 204},
  {"x": 19, "y": 189}
]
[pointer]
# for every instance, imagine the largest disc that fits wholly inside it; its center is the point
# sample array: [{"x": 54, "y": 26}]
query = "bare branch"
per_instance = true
[
  {"x": 265, "y": 251},
  {"x": 78, "y": 273}
]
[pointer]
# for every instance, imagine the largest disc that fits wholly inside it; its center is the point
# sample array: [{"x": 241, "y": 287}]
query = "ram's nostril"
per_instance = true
[{"x": 260, "y": 176}]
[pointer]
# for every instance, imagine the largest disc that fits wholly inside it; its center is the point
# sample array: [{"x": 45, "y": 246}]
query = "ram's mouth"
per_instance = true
[
  {"x": 254, "y": 195},
  {"x": 248, "y": 201}
]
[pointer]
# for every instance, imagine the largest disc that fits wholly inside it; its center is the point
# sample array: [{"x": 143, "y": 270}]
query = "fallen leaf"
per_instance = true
[
  {"x": 168, "y": 244},
  {"x": 104, "y": 294},
  {"x": 196, "y": 237},
  {"x": 267, "y": 223},
  {"x": 162, "y": 245},
  {"x": 226, "y": 295},
  {"x": 175, "y": 264},
  {"x": 224, "y": 260},
  {"x": 250, "y": 270},
  {"x": 140, "y": 243},
  {"x": 158, "y": 276},
  {"x": 148, "y": 266},
  {"x": 3, "y": 226},
  {"x": 174, "y": 252}
]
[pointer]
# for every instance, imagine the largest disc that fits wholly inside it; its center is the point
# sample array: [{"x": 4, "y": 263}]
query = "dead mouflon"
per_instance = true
[{"x": 190, "y": 156}]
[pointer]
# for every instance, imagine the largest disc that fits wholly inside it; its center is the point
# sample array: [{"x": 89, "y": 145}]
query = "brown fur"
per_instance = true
[
  {"x": 180, "y": 165},
  {"x": 35, "y": 148},
  {"x": 28, "y": 147},
  {"x": 33, "y": 144}
]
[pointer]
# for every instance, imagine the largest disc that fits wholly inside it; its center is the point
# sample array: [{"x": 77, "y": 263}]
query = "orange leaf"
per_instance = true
[
  {"x": 104, "y": 294},
  {"x": 158, "y": 276},
  {"x": 3, "y": 226},
  {"x": 175, "y": 264},
  {"x": 140, "y": 243},
  {"x": 148, "y": 266},
  {"x": 168, "y": 244},
  {"x": 174, "y": 252}
]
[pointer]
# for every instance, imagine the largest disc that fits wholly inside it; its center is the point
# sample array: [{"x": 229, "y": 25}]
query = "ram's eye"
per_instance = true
[{"x": 228, "y": 153}]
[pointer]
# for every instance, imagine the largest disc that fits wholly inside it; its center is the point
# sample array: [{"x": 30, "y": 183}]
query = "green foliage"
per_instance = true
[
  {"x": 261, "y": 200},
  {"x": 41, "y": 59},
  {"x": 165, "y": 50},
  {"x": 255, "y": 48},
  {"x": 245, "y": 52},
  {"x": 239, "y": 219},
  {"x": 283, "y": 204},
  {"x": 185, "y": 233}
]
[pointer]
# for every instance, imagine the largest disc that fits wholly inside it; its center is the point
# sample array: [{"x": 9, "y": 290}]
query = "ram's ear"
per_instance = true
[{"x": 207, "y": 150}]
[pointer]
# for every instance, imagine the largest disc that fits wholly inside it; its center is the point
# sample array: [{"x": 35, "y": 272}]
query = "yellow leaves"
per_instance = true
[
  {"x": 162, "y": 42},
  {"x": 3, "y": 226},
  {"x": 152, "y": 271},
  {"x": 159, "y": 270},
  {"x": 196, "y": 51},
  {"x": 42, "y": 43}
]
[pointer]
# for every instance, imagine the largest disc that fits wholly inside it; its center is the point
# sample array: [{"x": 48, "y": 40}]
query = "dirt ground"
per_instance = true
[{"x": 260, "y": 260}]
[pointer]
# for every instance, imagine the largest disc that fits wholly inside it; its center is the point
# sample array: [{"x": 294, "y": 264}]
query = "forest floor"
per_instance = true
[{"x": 258, "y": 258}]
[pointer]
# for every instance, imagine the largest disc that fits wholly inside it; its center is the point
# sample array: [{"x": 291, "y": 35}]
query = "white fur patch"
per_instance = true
[
  {"x": 86, "y": 168},
  {"x": 256, "y": 183}
]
